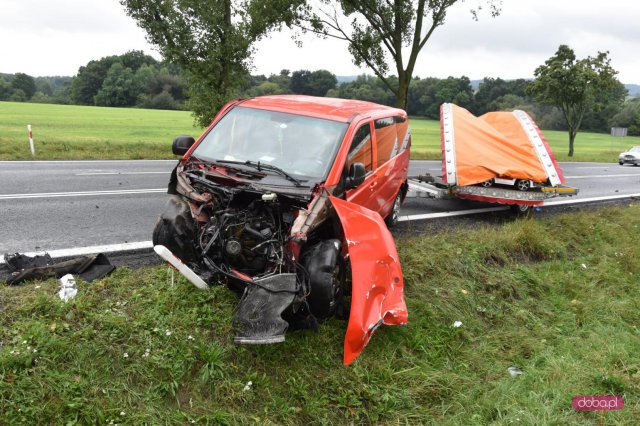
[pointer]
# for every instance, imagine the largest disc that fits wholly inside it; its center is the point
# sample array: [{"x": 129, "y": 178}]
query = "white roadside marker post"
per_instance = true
[{"x": 31, "y": 146}]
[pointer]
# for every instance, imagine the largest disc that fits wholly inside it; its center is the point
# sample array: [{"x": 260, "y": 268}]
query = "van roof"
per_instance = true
[{"x": 328, "y": 108}]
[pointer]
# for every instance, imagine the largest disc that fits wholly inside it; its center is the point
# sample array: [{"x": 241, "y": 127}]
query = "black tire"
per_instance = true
[
  {"x": 392, "y": 218},
  {"x": 521, "y": 209},
  {"x": 176, "y": 230},
  {"x": 487, "y": 183},
  {"x": 522, "y": 185},
  {"x": 621, "y": 163},
  {"x": 323, "y": 261}
]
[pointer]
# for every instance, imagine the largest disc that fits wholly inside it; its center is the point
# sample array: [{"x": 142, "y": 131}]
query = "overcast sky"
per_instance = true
[{"x": 56, "y": 37}]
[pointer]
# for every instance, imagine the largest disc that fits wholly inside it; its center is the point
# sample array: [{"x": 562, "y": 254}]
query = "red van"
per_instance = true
[{"x": 287, "y": 200}]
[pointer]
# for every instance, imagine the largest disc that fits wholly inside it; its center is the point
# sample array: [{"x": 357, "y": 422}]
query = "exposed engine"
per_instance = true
[
  {"x": 249, "y": 240},
  {"x": 242, "y": 236}
]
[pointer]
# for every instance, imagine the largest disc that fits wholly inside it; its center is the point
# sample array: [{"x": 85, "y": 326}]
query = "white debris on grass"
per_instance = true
[
  {"x": 515, "y": 371},
  {"x": 248, "y": 386},
  {"x": 457, "y": 324},
  {"x": 68, "y": 288}
]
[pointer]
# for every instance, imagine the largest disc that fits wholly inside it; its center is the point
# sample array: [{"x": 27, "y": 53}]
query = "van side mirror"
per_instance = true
[
  {"x": 181, "y": 144},
  {"x": 355, "y": 176}
]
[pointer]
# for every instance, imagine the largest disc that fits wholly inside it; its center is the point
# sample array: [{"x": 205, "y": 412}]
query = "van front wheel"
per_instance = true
[{"x": 392, "y": 219}]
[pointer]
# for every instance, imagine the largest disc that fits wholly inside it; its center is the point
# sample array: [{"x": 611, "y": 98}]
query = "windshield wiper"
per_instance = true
[
  {"x": 235, "y": 169},
  {"x": 262, "y": 166}
]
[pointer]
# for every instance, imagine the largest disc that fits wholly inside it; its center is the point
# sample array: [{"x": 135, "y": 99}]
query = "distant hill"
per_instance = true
[
  {"x": 346, "y": 78},
  {"x": 634, "y": 89}
]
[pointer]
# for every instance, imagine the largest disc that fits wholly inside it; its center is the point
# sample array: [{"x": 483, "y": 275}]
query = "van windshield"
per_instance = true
[{"x": 299, "y": 145}]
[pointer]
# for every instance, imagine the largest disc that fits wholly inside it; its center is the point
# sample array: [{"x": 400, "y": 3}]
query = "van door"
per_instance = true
[
  {"x": 361, "y": 150},
  {"x": 391, "y": 166}
]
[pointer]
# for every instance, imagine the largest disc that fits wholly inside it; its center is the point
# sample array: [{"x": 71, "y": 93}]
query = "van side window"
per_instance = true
[
  {"x": 386, "y": 139},
  {"x": 404, "y": 136},
  {"x": 360, "y": 150}
]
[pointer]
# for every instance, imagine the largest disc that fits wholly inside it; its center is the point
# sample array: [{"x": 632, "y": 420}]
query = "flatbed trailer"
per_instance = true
[
  {"x": 427, "y": 186},
  {"x": 500, "y": 158}
]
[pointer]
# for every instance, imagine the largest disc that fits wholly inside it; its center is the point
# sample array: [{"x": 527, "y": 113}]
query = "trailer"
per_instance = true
[
  {"x": 427, "y": 186},
  {"x": 499, "y": 157}
]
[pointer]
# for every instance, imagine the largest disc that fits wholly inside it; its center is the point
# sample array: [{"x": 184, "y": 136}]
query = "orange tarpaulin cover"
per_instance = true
[{"x": 505, "y": 145}]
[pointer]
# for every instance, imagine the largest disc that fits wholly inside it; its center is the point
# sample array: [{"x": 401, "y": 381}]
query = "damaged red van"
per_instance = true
[{"x": 287, "y": 200}]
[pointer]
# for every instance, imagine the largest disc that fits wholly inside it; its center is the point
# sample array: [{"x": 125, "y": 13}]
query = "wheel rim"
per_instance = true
[
  {"x": 395, "y": 214},
  {"x": 486, "y": 183},
  {"x": 523, "y": 185}
]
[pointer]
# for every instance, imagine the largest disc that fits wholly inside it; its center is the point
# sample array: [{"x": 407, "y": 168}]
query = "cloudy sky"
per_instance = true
[{"x": 56, "y": 37}]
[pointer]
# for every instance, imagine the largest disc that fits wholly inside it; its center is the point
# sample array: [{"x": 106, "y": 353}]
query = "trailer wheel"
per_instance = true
[
  {"x": 521, "y": 209},
  {"x": 523, "y": 185},
  {"x": 487, "y": 183}
]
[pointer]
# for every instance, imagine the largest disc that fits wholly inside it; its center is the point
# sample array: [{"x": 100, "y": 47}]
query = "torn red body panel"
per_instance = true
[{"x": 377, "y": 286}]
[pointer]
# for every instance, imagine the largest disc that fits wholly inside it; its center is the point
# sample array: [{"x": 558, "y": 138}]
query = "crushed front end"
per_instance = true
[{"x": 228, "y": 229}]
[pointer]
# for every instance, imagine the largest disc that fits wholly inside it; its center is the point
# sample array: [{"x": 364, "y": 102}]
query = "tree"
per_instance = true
[
  {"x": 90, "y": 77},
  {"x": 491, "y": 92},
  {"x": 380, "y": 33},
  {"x": 119, "y": 88},
  {"x": 573, "y": 85},
  {"x": 25, "y": 83},
  {"x": 211, "y": 40},
  {"x": 89, "y": 80},
  {"x": 5, "y": 89},
  {"x": 316, "y": 83},
  {"x": 629, "y": 116}
]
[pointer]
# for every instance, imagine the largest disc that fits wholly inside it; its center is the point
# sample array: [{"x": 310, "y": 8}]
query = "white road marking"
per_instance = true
[
  {"x": 110, "y": 248},
  {"x": 600, "y": 167},
  {"x": 81, "y": 161},
  {"x": 82, "y": 251},
  {"x": 121, "y": 173},
  {"x": 450, "y": 214},
  {"x": 501, "y": 208},
  {"x": 590, "y": 200},
  {"x": 80, "y": 193},
  {"x": 602, "y": 176}
]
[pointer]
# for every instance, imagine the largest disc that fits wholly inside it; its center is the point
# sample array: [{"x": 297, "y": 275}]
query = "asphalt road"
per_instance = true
[{"x": 50, "y": 205}]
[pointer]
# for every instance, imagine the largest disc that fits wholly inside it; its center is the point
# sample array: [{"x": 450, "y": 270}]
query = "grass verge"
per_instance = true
[
  {"x": 64, "y": 132},
  {"x": 555, "y": 297}
]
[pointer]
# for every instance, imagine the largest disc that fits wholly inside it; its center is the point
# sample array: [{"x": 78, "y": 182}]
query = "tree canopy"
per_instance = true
[
  {"x": 385, "y": 36},
  {"x": 211, "y": 40},
  {"x": 575, "y": 86}
]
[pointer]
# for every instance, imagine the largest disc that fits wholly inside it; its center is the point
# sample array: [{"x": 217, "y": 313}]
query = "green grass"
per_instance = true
[
  {"x": 80, "y": 132},
  {"x": 520, "y": 290},
  {"x": 598, "y": 147}
]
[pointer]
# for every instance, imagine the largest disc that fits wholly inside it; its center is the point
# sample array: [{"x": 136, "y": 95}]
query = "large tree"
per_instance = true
[
  {"x": 384, "y": 35},
  {"x": 574, "y": 85},
  {"x": 25, "y": 83},
  {"x": 211, "y": 40}
]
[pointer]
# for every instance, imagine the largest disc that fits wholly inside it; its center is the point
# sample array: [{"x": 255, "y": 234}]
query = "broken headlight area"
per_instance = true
[{"x": 264, "y": 245}]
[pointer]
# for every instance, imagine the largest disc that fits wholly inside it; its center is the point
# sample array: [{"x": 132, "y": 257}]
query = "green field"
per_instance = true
[
  {"x": 556, "y": 297},
  {"x": 81, "y": 132}
]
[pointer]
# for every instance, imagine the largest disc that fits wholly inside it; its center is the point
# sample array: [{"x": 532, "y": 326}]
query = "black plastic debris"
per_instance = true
[
  {"x": 23, "y": 267},
  {"x": 258, "y": 317}
]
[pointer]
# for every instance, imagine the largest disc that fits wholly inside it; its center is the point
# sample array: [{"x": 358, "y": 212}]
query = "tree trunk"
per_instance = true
[
  {"x": 402, "y": 97},
  {"x": 572, "y": 138}
]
